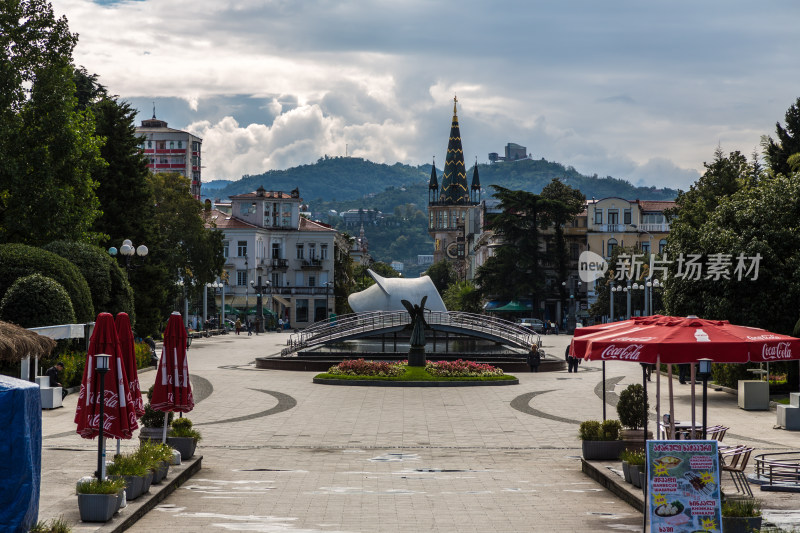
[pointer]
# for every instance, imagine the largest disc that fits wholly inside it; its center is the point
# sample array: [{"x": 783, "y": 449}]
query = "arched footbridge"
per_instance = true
[{"x": 355, "y": 326}]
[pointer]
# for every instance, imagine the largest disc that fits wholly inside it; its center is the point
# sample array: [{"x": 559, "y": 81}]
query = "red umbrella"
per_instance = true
[
  {"x": 128, "y": 353},
  {"x": 173, "y": 390},
  {"x": 119, "y": 417}
]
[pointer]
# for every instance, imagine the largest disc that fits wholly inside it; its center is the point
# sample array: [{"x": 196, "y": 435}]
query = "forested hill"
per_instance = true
[{"x": 355, "y": 181}]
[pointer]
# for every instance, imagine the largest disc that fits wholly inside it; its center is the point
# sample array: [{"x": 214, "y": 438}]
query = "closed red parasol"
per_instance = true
[
  {"x": 119, "y": 418},
  {"x": 128, "y": 353},
  {"x": 173, "y": 390}
]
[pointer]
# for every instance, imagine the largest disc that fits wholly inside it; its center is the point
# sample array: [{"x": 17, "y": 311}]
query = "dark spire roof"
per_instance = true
[
  {"x": 476, "y": 180},
  {"x": 434, "y": 182},
  {"x": 454, "y": 176}
]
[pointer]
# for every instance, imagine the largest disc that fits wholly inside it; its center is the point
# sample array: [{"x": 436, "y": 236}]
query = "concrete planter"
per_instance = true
[
  {"x": 160, "y": 473},
  {"x": 147, "y": 481},
  {"x": 635, "y": 478},
  {"x": 602, "y": 450},
  {"x": 97, "y": 507},
  {"x": 151, "y": 434},
  {"x": 133, "y": 487},
  {"x": 626, "y": 471},
  {"x": 185, "y": 445},
  {"x": 740, "y": 524}
]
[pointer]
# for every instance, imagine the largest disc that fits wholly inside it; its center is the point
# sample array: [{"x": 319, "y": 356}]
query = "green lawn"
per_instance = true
[{"x": 415, "y": 374}]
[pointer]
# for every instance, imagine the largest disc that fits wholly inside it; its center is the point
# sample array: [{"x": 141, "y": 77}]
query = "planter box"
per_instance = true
[
  {"x": 602, "y": 450},
  {"x": 151, "y": 434},
  {"x": 753, "y": 395},
  {"x": 185, "y": 445},
  {"x": 626, "y": 471},
  {"x": 738, "y": 524},
  {"x": 160, "y": 473},
  {"x": 147, "y": 481},
  {"x": 635, "y": 477},
  {"x": 133, "y": 487},
  {"x": 97, "y": 507}
]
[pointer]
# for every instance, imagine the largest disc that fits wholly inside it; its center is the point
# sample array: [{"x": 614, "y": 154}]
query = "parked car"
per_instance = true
[{"x": 533, "y": 324}]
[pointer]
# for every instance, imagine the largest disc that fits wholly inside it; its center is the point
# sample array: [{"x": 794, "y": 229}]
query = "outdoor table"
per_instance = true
[{"x": 687, "y": 431}]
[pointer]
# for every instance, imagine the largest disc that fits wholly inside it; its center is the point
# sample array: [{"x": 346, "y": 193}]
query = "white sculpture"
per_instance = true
[{"x": 387, "y": 293}]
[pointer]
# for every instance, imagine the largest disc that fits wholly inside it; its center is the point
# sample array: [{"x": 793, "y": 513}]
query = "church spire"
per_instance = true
[
  {"x": 454, "y": 177},
  {"x": 475, "y": 188}
]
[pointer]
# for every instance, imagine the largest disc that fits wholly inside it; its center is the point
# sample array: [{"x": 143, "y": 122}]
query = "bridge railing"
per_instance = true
[{"x": 344, "y": 326}]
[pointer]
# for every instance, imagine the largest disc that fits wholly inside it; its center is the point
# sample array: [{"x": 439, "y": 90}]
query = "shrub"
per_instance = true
[
  {"x": 461, "y": 368},
  {"x": 589, "y": 430},
  {"x": 745, "y": 508},
  {"x": 152, "y": 453},
  {"x": 19, "y": 260},
  {"x": 107, "y": 282},
  {"x": 729, "y": 374},
  {"x": 142, "y": 351},
  {"x": 632, "y": 406},
  {"x": 361, "y": 367},
  {"x": 610, "y": 429},
  {"x": 634, "y": 457},
  {"x": 36, "y": 300},
  {"x": 107, "y": 486},
  {"x": 182, "y": 427},
  {"x": 56, "y": 525},
  {"x": 128, "y": 464}
]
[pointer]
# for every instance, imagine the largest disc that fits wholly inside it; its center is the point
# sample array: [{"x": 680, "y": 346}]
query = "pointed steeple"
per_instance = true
[
  {"x": 476, "y": 181},
  {"x": 434, "y": 181},
  {"x": 454, "y": 177}
]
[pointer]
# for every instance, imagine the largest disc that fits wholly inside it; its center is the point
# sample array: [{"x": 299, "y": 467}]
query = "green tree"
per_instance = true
[
  {"x": 565, "y": 204},
  {"x": 463, "y": 296},
  {"x": 442, "y": 275},
  {"x": 47, "y": 145},
  {"x": 36, "y": 301},
  {"x": 787, "y": 144}
]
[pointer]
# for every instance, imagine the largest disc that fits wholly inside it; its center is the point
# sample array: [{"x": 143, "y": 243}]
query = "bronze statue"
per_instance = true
[{"x": 416, "y": 354}]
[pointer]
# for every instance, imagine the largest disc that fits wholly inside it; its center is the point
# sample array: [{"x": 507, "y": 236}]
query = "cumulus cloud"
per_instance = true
[{"x": 637, "y": 90}]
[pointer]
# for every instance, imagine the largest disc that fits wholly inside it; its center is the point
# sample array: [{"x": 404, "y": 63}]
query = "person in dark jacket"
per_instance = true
[
  {"x": 55, "y": 379},
  {"x": 534, "y": 360}
]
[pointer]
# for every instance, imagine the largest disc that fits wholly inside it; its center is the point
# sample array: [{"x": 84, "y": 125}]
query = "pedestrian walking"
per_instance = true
[
  {"x": 683, "y": 373},
  {"x": 249, "y": 329},
  {"x": 238, "y": 326},
  {"x": 572, "y": 362},
  {"x": 534, "y": 360}
]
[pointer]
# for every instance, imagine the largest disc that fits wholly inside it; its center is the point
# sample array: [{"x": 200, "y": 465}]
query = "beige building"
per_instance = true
[{"x": 616, "y": 222}]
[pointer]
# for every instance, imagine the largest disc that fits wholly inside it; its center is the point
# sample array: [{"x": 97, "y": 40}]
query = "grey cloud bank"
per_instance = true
[{"x": 641, "y": 91}]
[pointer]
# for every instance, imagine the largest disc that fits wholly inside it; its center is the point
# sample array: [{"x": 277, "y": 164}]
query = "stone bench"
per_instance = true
[
  {"x": 789, "y": 415},
  {"x": 50, "y": 396}
]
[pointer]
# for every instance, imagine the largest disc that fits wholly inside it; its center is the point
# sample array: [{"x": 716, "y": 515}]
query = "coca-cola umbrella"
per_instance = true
[
  {"x": 119, "y": 417},
  {"x": 128, "y": 353},
  {"x": 676, "y": 340},
  {"x": 173, "y": 390}
]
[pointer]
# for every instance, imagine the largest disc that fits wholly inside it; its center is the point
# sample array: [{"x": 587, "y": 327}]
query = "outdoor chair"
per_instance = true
[
  {"x": 735, "y": 463},
  {"x": 716, "y": 433}
]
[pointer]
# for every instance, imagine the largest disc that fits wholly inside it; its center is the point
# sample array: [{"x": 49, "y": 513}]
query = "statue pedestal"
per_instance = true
[{"x": 416, "y": 356}]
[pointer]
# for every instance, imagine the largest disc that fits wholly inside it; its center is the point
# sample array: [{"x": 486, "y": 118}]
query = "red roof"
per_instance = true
[
  {"x": 225, "y": 221},
  {"x": 311, "y": 225},
  {"x": 267, "y": 194}
]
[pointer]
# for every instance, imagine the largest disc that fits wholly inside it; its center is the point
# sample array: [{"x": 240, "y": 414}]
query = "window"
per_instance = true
[
  {"x": 300, "y": 251},
  {"x": 276, "y": 279},
  {"x": 312, "y": 251},
  {"x": 323, "y": 251},
  {"x": 613, "y": 217},
  {"x": 241, "y": 278},
  {"x": 172, "y": 145},
  {"x": 244, "y": 209},
  {"x": 312, "y": 281},
  {"x": 598, "y": 216},
  {"x": 430, "y": 222},
  {"x": 574, "y": 251},
  {"x": 241, "y": 249},
  {"x": 626, "y": 216},
  {"x": 612, "y": 243},
  {"x": 302, "y": 310},
  {"x": 661, "y": 245},
  {"x": 646, "y": 247},
  {"x": 225, "y": 247},
  {"x": 150, "y": 144},
  {"x": 445, "y": 218},
  {"x": 276, "y": 250},
  {"x": 180, "y": 145},
  {"x": 320, "y": 310}
]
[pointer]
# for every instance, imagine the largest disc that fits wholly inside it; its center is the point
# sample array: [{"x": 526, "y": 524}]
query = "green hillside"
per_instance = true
[{"x": 401, "y": 192}]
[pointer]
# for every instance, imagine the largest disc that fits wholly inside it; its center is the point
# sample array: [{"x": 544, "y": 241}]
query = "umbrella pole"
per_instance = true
[
  {"x": 659, "y": 425},
  {"x": 164, "y": 431},
  {"x": 604, "y": 391},
  {"x": 693, "y": 410},
  {"x": 671, "y": 403},
  {"x": 119, "y": 451}
]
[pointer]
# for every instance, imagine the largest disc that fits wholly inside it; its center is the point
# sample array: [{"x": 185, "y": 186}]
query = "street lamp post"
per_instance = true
[
  {"x": 127, "y": 250},
  {"x": 101, "y": 365},
  {"x": 628, "y": 291},
  {"x": 182, "y": 284},
  {"x": 705, "y": 373},
  {"x": 259, "y": 291},
  {"x": 613, "y": 290}
]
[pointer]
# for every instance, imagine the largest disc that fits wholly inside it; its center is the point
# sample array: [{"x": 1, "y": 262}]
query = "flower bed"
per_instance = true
[
  {"x": 360, "y": 367},
  {"x": 461, "y": 368}
]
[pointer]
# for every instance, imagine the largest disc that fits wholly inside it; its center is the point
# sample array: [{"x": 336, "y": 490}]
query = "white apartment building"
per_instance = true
[{"x": 267, "y": 239}]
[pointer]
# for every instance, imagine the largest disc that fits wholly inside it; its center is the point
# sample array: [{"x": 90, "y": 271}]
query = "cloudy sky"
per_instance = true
[{"x": 641, "y": 90}]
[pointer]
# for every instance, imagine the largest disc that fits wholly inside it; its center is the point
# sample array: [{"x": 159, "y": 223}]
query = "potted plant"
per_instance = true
[
  {"x": 183, "y": 437},
  {"x": 157, "y": 457},
  {"x": 625, "y": 457},
  {"x": 152, "y": 422},
  {"x": 741, "y": 515},
  {"x": 636, "y": 462},
  {"x": 632, "y": 409},
  {"x": 97, "y": 499},
  {"x": 600, "y": 440},
  {"x": 134, "y": 472}
]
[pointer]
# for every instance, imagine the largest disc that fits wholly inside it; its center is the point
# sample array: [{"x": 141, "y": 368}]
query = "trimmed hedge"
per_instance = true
[
  {"x": 111, "y": 292},
  {"x": 36, "y": 300},
  {"x": 19, "y": 260}
]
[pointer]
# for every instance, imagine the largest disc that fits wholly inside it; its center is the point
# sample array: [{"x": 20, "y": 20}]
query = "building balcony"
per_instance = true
[
  {"x": 311, "y": 264},
  {"x": 613, "y": 228},
  {"x": 303, "y": 291},
  {"x": 274, "y": 263},
  {"x": 654, "y": 228}
]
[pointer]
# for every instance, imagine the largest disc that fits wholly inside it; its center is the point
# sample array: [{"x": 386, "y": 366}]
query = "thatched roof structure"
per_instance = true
[{"x": 17, "y": 343}]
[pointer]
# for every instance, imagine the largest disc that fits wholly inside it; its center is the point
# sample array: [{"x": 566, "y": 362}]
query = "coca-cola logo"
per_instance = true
[
  {"x": 763, "y": 338},
  {"x": 632, "y": 339},
  {"x": 630, "y": 352},
  {"x": 782, "y": 350}
]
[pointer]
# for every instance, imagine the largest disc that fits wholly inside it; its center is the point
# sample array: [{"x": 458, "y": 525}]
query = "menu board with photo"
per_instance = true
[{"x": 683, "y": 486}]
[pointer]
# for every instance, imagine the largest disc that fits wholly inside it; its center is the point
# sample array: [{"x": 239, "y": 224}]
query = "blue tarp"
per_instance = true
[{"x": 21, "y": 453}]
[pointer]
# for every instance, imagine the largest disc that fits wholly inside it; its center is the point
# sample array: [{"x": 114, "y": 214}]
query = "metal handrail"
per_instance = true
[
  {"x": 347, "y": 325},
  {"x": 780, "y": 471}
]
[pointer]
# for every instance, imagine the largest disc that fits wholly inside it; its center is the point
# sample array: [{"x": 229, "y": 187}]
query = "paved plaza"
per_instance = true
[{"x": 281, "y": 454}]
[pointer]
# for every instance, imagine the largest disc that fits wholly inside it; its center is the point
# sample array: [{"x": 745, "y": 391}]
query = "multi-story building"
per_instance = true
[
  {"x": 513, "y": 152},
  {"x": 171, "y": 150},
  {"x": 268, "y": 242},
  {"x": 453, "y": 207}
]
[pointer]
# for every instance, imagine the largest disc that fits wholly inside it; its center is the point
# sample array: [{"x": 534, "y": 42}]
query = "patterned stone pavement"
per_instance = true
[{"x": 282, "y": 454}]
